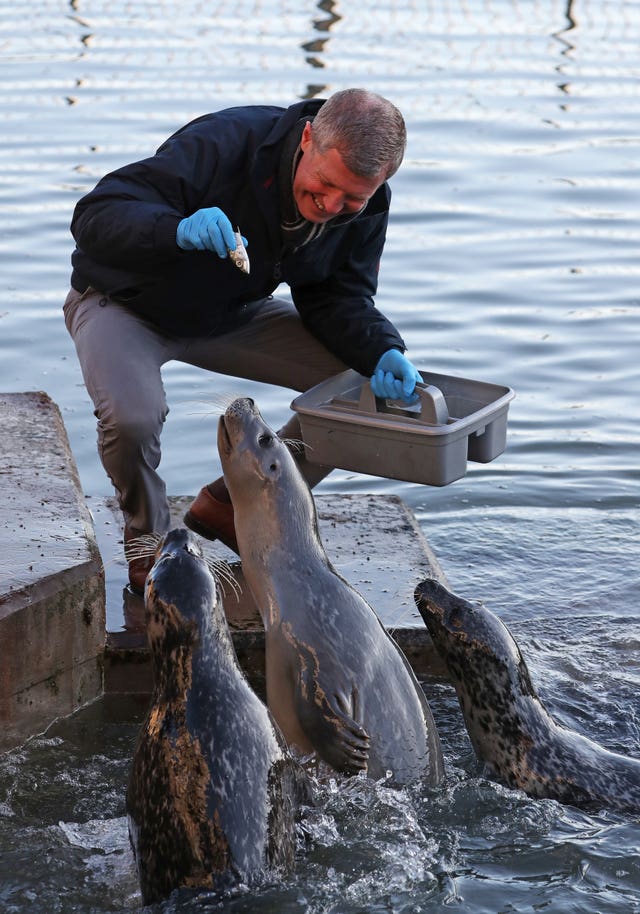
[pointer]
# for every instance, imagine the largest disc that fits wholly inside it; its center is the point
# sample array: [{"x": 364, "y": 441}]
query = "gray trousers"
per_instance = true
[{"x": 121, "y": 357}]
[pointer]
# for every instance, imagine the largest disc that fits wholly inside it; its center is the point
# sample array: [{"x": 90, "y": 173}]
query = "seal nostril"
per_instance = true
[{"x": 273, "y": 467}]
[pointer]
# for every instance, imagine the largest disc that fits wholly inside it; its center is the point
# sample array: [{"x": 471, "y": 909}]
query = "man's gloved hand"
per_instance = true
[
  {"x": 395, "y": 378},
  {"x": 207, "y": 230}
]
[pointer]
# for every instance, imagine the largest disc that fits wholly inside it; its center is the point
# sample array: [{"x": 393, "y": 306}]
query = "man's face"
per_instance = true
[{"x": 323, "y": 187}]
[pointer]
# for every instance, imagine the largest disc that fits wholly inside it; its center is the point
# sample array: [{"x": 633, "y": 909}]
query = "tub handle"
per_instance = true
[{"x": 433, "y": 406}]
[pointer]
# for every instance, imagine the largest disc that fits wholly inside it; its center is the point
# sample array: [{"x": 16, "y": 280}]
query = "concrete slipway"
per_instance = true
[{"x": 69, "y": 627}]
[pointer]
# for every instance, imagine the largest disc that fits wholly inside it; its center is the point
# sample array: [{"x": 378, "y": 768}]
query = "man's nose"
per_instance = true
[{"x": 334, "y": 202}]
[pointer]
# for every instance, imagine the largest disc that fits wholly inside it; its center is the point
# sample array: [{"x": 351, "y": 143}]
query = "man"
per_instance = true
[{"x": 152, "y": 279}]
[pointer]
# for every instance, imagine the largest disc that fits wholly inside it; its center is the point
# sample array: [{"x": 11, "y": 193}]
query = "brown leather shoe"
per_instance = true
[
  {"x": 212, "y": 519},
  {"x": 138, "y": 568}
]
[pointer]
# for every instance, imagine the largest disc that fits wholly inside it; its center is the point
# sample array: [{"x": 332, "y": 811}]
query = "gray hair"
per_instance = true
[{"x": 367, "y": 130}]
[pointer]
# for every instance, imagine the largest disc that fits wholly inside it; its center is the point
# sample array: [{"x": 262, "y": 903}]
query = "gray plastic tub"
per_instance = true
[{"x": 344, "y": 425}]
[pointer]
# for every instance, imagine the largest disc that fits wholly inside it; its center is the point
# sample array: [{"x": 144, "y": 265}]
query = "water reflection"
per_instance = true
[
  {"x": 317, "y": 45},
  {"x": 563, "y": 37}
]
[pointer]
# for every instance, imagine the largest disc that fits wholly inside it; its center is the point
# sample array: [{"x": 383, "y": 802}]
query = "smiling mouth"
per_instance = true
[{"x": 318, "y": 203}]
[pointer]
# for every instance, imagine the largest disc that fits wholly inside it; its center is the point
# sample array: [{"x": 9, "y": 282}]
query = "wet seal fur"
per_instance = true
[
  {"x": 510, "y": 729},
  {"x": 337, "y": 683},
  {"x": 213, "y": 794}
]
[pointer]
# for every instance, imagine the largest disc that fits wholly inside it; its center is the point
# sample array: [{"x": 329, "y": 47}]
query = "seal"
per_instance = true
[
  {"x": 337, "y": 683},
  {"x": 213, "y": 794},
  {"x": 510, "y": 729}
]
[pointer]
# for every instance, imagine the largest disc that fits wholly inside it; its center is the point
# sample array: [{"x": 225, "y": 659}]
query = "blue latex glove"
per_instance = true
[
  {"x": 207, "y": 230},
  {"x": 395, "y": 378}
]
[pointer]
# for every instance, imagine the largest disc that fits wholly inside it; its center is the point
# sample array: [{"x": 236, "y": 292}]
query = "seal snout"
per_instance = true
[
  {"x": 176, "y": 546},
  {"x": 176, "y": 540},
  {"x": 427, "y": 595},
  {"x": 241, "y": 406},
  {"x": 444, "y": 614},
  {"x": 232, "y": 426},
  {"x": 430, "y": 588}
]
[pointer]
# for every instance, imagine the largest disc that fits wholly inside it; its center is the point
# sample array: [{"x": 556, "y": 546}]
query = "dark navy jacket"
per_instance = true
[{"x": 125, "y": 231}]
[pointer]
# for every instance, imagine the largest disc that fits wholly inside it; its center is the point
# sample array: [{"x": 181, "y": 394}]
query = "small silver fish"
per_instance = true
[{"x": 239, "y": 256}]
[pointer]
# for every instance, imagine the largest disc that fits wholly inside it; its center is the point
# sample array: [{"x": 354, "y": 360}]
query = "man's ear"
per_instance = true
[{"x": 306, "y": 139}]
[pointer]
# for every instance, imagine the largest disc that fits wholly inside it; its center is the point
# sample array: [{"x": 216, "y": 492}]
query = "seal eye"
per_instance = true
[{"x": 265, "y": 440}]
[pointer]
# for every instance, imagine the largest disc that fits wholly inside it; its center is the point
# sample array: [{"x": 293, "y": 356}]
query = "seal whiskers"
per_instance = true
[
  {"x": 510, "y": 729},
  {"x": 146, "y": 545},
  {"x": 215, "y": 405}
]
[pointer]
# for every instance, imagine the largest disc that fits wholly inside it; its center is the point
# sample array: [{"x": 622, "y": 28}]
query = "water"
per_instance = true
[
  {"x": 512, "y": 258},
  {"x": 469, "y": 845}
]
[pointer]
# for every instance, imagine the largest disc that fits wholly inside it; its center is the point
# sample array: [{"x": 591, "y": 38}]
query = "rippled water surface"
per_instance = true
[{"x": 512, "y": 257}]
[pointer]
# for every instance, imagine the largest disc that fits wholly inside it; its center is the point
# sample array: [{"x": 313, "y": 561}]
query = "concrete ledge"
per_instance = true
[{"x": 52, "y": 594}]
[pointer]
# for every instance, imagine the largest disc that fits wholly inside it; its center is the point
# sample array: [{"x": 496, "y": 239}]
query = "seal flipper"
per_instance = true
[{"x": 338, "y": 738}]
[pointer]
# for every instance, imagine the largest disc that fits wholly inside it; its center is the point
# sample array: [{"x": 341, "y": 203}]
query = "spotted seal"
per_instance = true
[
  {"x": 213, "y": 794},
  {"x": 337, "y": 683},
  {"x": 510, "y": 729}
]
